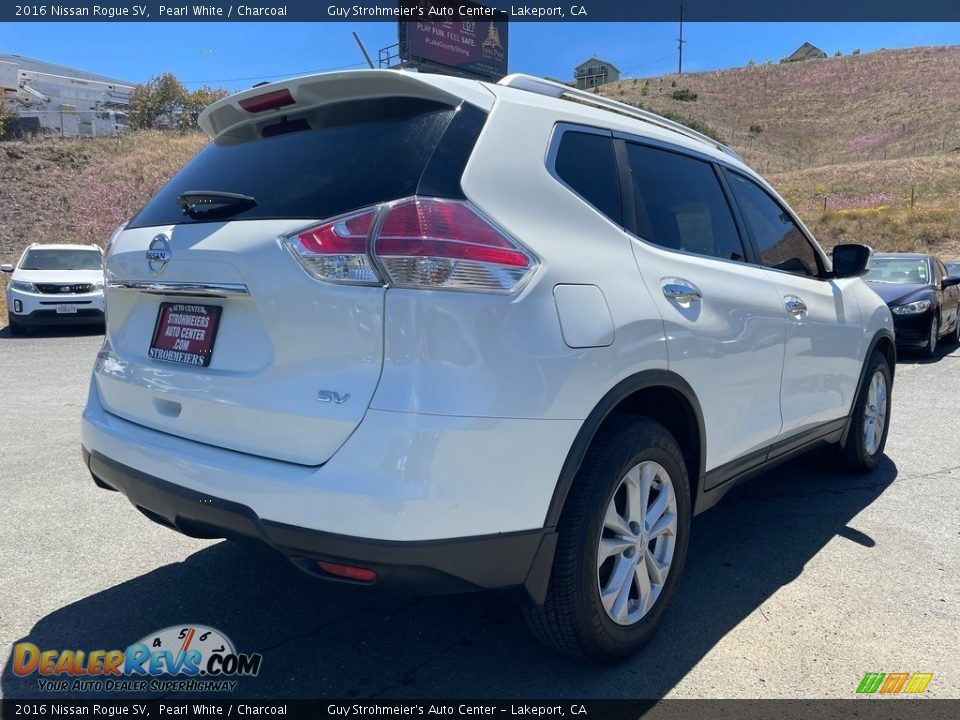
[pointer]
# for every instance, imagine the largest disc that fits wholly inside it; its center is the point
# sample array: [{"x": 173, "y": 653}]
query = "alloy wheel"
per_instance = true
[
  {"x": 637, "y": 541},
  {"x": 875, "y": 413}
]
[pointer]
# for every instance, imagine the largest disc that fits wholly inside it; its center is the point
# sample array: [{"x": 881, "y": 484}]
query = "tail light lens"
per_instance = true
[
  {"x": 416, "y": 242},
  {"x": 337, "y": 250}
]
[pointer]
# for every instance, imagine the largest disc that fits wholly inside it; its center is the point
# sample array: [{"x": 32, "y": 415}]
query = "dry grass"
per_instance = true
[
  {"x": 876, "y": 106},
  {"x": 80, "y": 189},
  {"x": 892, "y": 205}
]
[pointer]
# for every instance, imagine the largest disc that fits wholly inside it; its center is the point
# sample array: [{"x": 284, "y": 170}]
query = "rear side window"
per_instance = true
[
  {"x": 586, "y": 163},
  {"x": 780, "y": 243},
  {"x": 315, "y": 165},
  {"x": 680, "y": 204}
]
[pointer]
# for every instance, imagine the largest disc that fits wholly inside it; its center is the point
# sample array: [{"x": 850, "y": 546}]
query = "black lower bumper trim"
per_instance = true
[
  {"x": 48, "y": 318},
  {"x": 507, "y": 560}
]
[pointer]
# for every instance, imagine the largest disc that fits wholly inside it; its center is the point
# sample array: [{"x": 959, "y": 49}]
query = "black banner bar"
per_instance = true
[
  {"x": 521, "y": 11},
  {"x": 862, "y": 709}
]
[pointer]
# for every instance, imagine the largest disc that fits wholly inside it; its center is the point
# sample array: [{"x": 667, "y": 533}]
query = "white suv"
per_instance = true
[
  {"x": 55, "y": 285},
  {"x": 435, "y": 334}
]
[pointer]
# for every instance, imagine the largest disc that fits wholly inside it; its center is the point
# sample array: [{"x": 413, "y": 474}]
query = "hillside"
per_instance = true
[{"x": 874, "y": 106}]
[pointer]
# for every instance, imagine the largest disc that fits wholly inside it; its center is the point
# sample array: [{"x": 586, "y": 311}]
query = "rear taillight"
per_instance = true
[
  {"x": 416, "y": 242},
  {"x": 337, "y": 250}
]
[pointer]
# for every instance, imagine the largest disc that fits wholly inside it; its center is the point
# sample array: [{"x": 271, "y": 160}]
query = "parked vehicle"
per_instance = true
[
  {"x": 923, "y": 297},
  {"x": 55, "y": 285},
  {"x": 435, "y": 334}
]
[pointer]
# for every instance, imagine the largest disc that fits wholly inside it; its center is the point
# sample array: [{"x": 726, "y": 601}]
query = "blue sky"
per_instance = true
[{"x": 236, "y": 55}]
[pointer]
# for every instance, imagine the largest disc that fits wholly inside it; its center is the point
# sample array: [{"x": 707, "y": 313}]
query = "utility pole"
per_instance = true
[{"x": 680, "y": 42}]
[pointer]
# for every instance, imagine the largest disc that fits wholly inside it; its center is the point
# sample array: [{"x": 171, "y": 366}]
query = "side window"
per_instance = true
[
  {"x": 779, "y": 241},
  {"x": 587, "y": 164},
  {"x": 680, "y": 204}
]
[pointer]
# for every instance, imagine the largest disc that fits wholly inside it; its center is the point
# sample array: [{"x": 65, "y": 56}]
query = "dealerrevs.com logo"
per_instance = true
[{"x": 181, "y": 658}]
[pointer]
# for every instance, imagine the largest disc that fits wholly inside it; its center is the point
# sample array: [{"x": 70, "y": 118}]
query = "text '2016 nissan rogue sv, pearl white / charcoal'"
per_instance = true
[{"x": 434, "y": 334}]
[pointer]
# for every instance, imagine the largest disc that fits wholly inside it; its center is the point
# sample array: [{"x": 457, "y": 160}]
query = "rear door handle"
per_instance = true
[
  {"x": 680, "y": 290},
  {"x": 794, "y": 305}
]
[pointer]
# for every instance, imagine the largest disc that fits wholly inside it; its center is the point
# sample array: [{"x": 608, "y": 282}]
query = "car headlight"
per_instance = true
[
  {"x": 98, "y": 285},
  {"x": 24, "y": 286},
  {"x": 911, "y": 308}
]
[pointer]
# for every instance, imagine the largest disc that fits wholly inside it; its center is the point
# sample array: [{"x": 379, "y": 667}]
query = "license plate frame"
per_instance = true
[{"x": 189, "y": 340}]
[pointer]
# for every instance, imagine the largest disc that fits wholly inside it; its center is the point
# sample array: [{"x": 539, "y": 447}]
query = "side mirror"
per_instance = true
[
  {"x": 6, "y": 267},
  {"x": 950, "y": 281},
  {"x": 851, "y": 260}
]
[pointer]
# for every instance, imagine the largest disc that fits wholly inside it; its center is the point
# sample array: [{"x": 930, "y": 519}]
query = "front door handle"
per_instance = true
[
  {"x": 794, "y": 305},
  {"x": 680, "y": 290}
]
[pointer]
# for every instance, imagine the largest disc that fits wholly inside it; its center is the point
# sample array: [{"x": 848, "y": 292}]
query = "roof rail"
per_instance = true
[{"x": 559, "y": 90}]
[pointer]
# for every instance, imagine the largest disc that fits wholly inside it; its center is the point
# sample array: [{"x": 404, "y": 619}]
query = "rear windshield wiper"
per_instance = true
[{"x": 213, "y": 203}]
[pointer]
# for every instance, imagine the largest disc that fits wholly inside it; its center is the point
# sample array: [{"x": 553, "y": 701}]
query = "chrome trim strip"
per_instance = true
[{"x": 158, "y": 287}]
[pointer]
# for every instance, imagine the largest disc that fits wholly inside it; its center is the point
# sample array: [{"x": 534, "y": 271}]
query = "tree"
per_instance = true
[
  {"x": 157, "y": 101},
  {"x": 7, "y": 116},
  {"x": 194, "y": 103},
  {"x": 163, "y": 101}
]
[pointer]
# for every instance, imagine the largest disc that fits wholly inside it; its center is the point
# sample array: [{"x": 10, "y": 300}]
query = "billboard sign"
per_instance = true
[{"x": 473, "y": 47}]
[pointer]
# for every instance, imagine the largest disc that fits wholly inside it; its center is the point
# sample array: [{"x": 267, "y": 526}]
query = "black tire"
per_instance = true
[
  {"x": 954, "y": 337},
  {"x": 931, "y": 348},
  {"x": 573, "y": 620},
  {"x": 855, "y": 456},
  {"x": 13, "y": 328}
]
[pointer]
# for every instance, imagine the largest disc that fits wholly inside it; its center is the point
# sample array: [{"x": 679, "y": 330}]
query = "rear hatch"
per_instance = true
[{"x": 217, "y": 331}]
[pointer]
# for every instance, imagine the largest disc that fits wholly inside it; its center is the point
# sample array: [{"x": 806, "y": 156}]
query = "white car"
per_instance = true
[
  {"x": 55, "y": 285},
  {"x": 434, "y": 334}
]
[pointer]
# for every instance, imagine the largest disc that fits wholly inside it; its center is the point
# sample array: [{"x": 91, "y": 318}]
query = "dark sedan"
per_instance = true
[{"x": 922, "y": 296}]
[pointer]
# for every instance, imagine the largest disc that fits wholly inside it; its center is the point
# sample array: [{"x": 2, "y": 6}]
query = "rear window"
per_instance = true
[
  {"x": 314, "y": 165},
  {"x": 62, "y": 260}
]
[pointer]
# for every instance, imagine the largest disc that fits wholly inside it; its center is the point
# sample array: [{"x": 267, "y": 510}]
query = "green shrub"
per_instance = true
[
  {"x": 756, "y": 129},
  {"x": 684, "y": 95}
]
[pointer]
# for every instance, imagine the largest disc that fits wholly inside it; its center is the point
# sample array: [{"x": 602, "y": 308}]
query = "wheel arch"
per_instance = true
[{"x": 658, "y": 395}]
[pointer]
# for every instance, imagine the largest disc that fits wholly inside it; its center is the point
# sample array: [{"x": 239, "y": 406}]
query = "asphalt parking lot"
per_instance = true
[{"x": 797, "y": 583}]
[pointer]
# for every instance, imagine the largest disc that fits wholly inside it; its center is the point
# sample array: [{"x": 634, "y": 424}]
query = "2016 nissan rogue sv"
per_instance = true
[{"x": 436, "y": 334}]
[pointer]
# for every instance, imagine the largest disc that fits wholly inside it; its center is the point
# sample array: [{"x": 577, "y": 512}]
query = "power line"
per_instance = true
[{"x": 649, "y": 62}]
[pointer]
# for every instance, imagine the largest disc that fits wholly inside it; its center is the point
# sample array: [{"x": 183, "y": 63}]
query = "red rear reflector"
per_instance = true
[
  {"x": 347, "y": 571},
  {"x": 267, "y": 101}
]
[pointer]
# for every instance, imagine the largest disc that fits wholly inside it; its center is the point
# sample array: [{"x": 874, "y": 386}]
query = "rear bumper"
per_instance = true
[
  {"x": 519, "y": 560},
  {"x": 431, "y": 503}
]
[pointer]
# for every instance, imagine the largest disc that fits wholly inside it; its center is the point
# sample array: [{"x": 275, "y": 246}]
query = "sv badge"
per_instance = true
[{"x": 334, "y": 397}]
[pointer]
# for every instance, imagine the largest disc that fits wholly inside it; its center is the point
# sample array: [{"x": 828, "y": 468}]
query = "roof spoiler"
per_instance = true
[{"x": 304, "y": 93}]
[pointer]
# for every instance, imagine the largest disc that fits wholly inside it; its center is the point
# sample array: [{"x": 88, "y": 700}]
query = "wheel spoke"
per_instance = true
[
  {"x": 614, "y": 523},
  {"x": 644, "y": 590},
  {"x": 617, "y": 591},
  {"x": 635, "y": 505},
  {"x": 656, "y": 510},
  {"x": 657, "y": 574},
  {"x": 666, "y": 525},
  {"x": 611, "y": 546}
]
